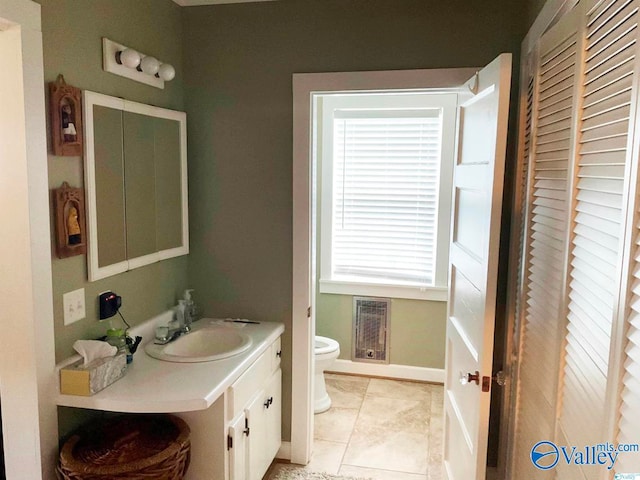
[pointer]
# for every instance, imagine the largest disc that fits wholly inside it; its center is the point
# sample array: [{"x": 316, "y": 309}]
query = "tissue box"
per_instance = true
[{"x": 78, "y": 379}]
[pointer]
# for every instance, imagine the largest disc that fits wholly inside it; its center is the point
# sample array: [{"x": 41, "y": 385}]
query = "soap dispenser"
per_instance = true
[
  {"x": 190, "y": 308},
  {"x": 181, "y": 317}
]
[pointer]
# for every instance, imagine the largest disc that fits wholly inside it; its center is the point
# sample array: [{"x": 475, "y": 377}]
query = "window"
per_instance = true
[{"x": 386, "y": 163}]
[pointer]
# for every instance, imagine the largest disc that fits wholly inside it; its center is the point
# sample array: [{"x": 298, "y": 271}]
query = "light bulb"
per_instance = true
[
  {"x": 128, "y": 57},
  {"x": 149, "y": 65},
  {"x": 166, "y": 72}
]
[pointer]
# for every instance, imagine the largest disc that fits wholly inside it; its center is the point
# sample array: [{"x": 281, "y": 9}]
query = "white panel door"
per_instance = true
[{"x": 473, "y": 269}]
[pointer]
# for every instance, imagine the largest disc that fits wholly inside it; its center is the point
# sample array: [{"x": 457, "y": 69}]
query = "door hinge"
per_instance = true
[
  {"x": 309, "y": 312},
  {"x": 246, "y": 430},
  {"x": 229, "y": 442}
]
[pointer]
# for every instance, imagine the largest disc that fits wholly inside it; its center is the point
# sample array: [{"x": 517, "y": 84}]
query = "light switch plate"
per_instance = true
[{"x": 73, "y": 304}]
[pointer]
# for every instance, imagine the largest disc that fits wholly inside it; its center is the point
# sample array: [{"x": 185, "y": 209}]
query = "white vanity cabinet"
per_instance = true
[
  {"x": 254, "y": 408},
  {"x": 233, "y": 406}
]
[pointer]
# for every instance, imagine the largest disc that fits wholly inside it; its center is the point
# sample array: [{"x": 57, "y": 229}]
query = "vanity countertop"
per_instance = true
[{"x": 156, "y": 386}]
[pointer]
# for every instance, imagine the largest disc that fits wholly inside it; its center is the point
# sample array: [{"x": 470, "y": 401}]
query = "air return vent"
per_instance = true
[{"x": 370, "y": 329}]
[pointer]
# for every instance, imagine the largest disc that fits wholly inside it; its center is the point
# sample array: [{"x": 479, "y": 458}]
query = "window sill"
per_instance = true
[{"x": 348, "y": 287}]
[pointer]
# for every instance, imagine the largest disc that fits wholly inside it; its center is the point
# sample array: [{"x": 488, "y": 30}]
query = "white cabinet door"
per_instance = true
[
  {"x": 255, "y": 434},
  {"x": 473, "y": 269},
  {"x": 237, "y": 448},
  {"x": 274, "y": 416},
  {"x": 257, "y": 438},
  {"x": 264, "y": 414}
]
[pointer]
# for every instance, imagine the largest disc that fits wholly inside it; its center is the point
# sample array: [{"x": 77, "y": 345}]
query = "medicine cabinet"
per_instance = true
[{"x": 136, "y": 184}]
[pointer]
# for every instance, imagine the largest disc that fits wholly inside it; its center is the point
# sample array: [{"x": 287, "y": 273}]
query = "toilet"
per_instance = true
[{"x": 326, "y": 352}]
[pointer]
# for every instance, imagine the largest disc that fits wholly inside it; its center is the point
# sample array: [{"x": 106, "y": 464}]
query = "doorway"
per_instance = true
[
  {"x": 305, "y": 86},
  {"x": 484, "y": 104},
  {"x": 382, "y": 166}
]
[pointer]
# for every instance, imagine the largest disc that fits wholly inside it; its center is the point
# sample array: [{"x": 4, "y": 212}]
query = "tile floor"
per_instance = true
[{"x": 379, "y": 429}]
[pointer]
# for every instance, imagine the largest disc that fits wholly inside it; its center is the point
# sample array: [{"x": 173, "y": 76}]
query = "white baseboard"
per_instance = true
[
  {"x": 284, "y": 452},
  {"x": 402, "y": 372}
]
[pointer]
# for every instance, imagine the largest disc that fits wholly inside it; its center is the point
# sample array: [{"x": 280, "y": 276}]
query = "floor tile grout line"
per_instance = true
[
  {"x": 342, "y": 464},
  {"x": 370, "y": 395},
  {"x": 385, "y": 470},
  {"x": 354, "y": 426}
]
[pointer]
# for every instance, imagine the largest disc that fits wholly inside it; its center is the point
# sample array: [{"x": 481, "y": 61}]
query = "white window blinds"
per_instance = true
[
  {"x": 385, "y": 191},
  {"x": 386, "y": 165}
]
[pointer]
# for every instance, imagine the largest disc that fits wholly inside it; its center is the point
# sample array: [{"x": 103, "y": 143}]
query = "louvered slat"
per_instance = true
[{"x": 604, "y": 121}]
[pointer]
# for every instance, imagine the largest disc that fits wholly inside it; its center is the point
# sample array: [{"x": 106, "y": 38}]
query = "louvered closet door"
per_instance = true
[
  {"x": 593, "y": 325},
  {"x": 629, "y": 401},
  {"x": 543, "y": 325},
  {"x": 595, "y": 251}
]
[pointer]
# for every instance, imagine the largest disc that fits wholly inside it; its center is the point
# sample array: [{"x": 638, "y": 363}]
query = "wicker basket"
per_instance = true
[{"x": 131, "y": 446}]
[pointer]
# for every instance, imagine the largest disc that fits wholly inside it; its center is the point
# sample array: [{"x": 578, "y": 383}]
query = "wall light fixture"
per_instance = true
[{"x": 130, "y": 63}]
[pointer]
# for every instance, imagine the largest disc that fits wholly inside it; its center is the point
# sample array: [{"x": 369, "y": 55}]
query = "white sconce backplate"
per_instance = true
[{"x": 109, "y": 64}]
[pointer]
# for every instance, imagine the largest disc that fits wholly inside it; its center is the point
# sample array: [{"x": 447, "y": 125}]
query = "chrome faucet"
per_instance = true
[
  {"x": 166, "y": 335},
  {"x": 177, "y": 327}
]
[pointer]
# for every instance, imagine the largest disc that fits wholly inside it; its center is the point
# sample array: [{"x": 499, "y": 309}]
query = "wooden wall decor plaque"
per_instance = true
[
  {"x": 65, "y": 105},
  {"x": 71, "y": 232}
]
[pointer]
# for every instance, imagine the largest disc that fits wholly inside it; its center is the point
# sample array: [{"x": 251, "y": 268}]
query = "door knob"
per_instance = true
[
  {"x": 500, "y": 378},
  {"x": 466, "y": 378}
]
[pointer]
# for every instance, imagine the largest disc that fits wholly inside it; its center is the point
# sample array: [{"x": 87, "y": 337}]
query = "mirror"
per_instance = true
[{"x": 136, "y": 184}]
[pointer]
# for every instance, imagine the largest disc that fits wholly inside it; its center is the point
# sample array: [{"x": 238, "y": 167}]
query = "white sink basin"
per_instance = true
[{"x": 202, "y": 345}]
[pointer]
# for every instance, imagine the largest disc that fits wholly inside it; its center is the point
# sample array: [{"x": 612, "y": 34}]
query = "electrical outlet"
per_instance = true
[{"x": 73, "y": 304}]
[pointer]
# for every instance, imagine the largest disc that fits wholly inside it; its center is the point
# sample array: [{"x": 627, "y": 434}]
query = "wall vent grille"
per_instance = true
[{"x": 370, "y": 330}]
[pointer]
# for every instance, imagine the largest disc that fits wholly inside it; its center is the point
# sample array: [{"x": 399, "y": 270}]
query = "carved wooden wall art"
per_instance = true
[
  {"x": 71, "y": 234},
  {"x": 65, "y": 105}
]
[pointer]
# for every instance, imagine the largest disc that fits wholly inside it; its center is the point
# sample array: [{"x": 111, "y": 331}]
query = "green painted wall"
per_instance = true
[
  {"x": 238, "y": 60},
  {"x": 235, "y": 83},
  {"x": 72, "y": 36},
  {"x": 417, "y": 328}
]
